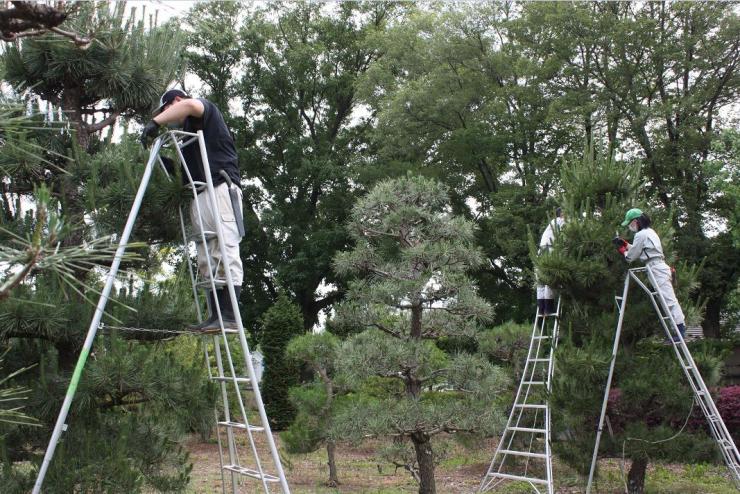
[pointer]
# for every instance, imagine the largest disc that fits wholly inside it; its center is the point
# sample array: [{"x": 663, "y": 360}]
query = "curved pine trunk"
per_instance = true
[{"x": 425, "y": 458}]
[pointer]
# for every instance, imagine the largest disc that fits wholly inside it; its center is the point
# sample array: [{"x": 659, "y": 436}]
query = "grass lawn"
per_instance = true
[{"x": 461, "y": 472}]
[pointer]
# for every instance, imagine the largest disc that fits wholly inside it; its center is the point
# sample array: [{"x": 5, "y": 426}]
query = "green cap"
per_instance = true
[{"x": 631, "y": 215}]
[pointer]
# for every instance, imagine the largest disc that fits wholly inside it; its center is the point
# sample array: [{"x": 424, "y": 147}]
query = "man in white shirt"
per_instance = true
[{"x": 545, "y": 294}]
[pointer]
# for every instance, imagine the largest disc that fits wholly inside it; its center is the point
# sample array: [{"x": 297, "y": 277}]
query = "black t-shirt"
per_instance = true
[{"x": 220, "y": 147}]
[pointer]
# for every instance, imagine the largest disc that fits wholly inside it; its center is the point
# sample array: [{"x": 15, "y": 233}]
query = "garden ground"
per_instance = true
[{"x": 360, "y": 472}]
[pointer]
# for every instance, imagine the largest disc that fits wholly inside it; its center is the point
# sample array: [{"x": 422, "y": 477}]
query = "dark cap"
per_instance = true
[{"x": 168, "y": 97}]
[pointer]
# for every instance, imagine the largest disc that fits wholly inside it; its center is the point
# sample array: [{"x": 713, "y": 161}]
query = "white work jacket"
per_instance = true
[
  {"x": 646, "y": 246},
  {"x": 548, "y": 237}
]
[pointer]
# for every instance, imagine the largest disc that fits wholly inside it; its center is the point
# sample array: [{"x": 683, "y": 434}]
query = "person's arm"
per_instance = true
[
  {"x": 634, "y": 250},
  {"x": 179, "y": 111}
]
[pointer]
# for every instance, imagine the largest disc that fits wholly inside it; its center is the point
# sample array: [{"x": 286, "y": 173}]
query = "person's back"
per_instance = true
[
  {"x": 220, "y": 147},
  {"x": 647, "y": 247},
  {"x": 545, "y": 294},
  {"x": 226, "y": 214}
]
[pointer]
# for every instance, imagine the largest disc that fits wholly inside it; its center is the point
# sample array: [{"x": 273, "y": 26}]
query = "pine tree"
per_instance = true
[
  {"x": 135, "y": 399},
  {"x": 315, "y": 401},
  {"x": 653, "y": 398},
  {"x": 412, "y": 256},
  {"x": 280, "y": 323}
]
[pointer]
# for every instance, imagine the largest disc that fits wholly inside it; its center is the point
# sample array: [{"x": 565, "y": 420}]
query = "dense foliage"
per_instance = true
[{"x": 491, "y": 102}]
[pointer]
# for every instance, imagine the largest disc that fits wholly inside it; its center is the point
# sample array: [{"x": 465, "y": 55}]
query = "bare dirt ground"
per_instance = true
[{"x": 461, "y": 472}]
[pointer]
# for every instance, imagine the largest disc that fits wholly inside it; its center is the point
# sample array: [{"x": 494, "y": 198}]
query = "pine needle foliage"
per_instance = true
[
  {"x": 315, "y": 401},
  {"x": 281, "y": 322},
  {"x": 410, "y": 288},
  {"x": 121, "y": 73},
  {"x": 654, "y": 398}
]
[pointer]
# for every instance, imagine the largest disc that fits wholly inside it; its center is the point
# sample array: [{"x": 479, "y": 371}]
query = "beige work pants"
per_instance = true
[{"x": 224, "y": 215}]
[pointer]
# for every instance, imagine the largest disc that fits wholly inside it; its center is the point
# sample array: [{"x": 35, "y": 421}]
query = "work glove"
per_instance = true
[
  {"x": 621, "y": 244},
  {"x": 151, "y": 129}
]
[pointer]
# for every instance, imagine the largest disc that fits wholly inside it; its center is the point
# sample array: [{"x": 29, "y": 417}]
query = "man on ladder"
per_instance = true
[
  {"x": 545, "y": 294},
  {"x": 647, "y": 247},
  {"x": 200, "y": 114}
]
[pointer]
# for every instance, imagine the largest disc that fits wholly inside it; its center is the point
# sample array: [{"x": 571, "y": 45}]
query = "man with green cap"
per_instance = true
[{"x": 647, "y": 247}]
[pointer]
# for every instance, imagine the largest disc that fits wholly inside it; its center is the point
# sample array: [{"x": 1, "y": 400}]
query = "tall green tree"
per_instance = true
[
  {"x": 665, "y": 78},
  {"x": 459, "y": 99},
  {"x": 651, "y": 398},
  {"x": 302, "y": 137},
  {"x": 412, "y": 257}
]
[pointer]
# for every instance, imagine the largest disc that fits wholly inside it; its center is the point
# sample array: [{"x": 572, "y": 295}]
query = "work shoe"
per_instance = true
[
  {"x": 211, "y": 325},
  {"x": 675, "y": 339},
  {"x": 211, "y": 305}
]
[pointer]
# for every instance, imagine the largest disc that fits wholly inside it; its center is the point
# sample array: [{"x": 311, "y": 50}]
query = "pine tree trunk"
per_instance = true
[
  {"x": 425, "y": 458},
  {"x": 333, "y": 478},
  {"x": 636, "y": 476}
]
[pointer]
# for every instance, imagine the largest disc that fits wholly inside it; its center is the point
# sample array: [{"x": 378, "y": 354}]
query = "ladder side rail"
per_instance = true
[
  {"x": 615, "y": 347},
  {"x": 689, "y": 366},
  {"x": 190, "y": 267},
  {"x": 548, "y": 452},
  {"x": 233, "y": 457},
  {"x": 99, "y": 310},
  {"x": 513, "y": 408},
  {"x": 538, "y": 331},
  {"x": 221, "y": 455},
  {"x": 548, "y": 389},
  {"x": 217, "y": 309},
  {"x": 701, "y": 391},
  {"x": 242, "y": 338}
]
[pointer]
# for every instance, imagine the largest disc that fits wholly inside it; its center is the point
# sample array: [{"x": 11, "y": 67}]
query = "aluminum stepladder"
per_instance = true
[
  {"x": 529, "y": 420},
  {"x": 232, "y": 464},
  {"x": 701, "y": 393}
]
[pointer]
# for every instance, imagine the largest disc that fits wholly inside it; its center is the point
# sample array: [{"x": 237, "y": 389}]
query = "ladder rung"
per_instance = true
[
  {"x": 207, "y": 283},
  {"x": 539, "y": 360},
  {"x": 525, "y": 405},
  {"x": 227, "y": 379},
  {"x": 527, "y": 429},
  {"x": 249, "y": 472},
  {"x": 518, "y": 477},
  {"x": 533, "y": 382},
  {"x": 541, "y": 337},
  {"x": 523, "y": 453},
  {"x": 239, "y": 425}
]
